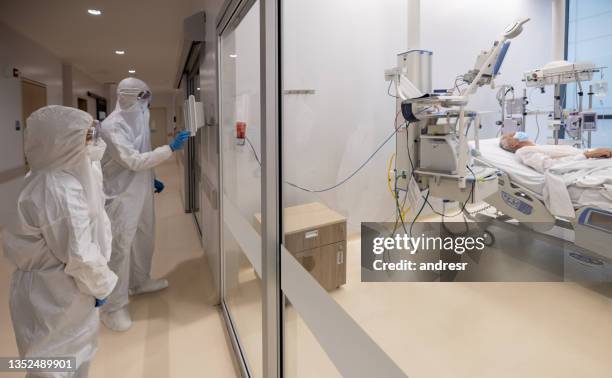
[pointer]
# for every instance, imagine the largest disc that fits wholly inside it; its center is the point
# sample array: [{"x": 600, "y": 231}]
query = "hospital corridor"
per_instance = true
[
  {"x": 305, "y": 189},
  {"x": 176, "y": 333}
]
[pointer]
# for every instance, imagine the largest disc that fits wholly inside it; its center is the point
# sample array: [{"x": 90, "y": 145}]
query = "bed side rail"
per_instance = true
[
  {"x": 593, "y": 230},
  {"x": 521, "y": 204}
]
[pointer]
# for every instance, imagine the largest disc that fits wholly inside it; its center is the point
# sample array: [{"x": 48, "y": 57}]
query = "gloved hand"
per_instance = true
[
  {"x": 100, "y": 302},
  {"x": 158, "y": 185},
  {"x": 179, "y": 140}
]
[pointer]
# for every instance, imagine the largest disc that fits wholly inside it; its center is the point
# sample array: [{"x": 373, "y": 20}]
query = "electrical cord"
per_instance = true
[
  {"x": 469, "y": 197},
  {"x": 389, "y": 90},
  {"x": 348, "y": 177},
  {"x": 425, "y": 200},
  {"x": 354, "y": 172},
  {"x": 399, "y": 216},
  {"x": 253, "y": 149},
  {"x": 457, "y": 85}
]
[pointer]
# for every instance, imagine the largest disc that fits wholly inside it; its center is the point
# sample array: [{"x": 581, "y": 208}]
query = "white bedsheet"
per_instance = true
[
  {"x": 510, "y": 163},
  {"x": 535, "y": 181}
]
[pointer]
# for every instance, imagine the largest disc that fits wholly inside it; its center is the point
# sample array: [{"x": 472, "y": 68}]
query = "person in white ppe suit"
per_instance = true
[
  {"x": 55, "y": 243},
  {"x": 127, "y": 166},
  {"x": 95, "y": 150}
]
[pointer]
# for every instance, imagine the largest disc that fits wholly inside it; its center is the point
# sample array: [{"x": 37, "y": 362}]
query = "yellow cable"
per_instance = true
[{"x": 393, "y": 194}]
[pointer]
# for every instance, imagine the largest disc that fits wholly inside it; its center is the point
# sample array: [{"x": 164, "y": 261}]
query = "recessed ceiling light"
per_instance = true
[
  {"x": 94, "y": 12},
  {"x": 132, "y": 71},
  {"x": 233, "y": 56},
  {"x": 119, "y": 52}
]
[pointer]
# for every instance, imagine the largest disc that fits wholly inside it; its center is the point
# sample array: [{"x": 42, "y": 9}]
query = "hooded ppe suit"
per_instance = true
[
  {"x": 128, "y": 184},
  {"x": 55, "y": 243},
  {"x": 95, "y": 152}
]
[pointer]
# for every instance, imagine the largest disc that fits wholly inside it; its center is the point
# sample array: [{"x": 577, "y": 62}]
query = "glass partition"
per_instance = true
[
  {"x": 239, "y": 54},
  {"x": 342, "y": 136}
]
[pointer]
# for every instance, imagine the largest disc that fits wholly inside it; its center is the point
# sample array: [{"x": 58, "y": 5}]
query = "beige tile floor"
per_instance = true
[
  {"x": 465, "y": 330},
  {"x": 429, "y": 329},
  {"x": 177, "y": 332}
]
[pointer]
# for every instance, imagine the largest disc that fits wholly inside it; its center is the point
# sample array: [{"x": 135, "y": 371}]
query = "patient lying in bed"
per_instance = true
[
  {"x": 542, "y": 157},
  {"x": 588, "y": 174}
]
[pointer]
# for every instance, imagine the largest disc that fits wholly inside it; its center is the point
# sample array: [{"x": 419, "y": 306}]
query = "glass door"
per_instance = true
[
  {"x": 193, "y": 149},
  {"x": 239, "y": 143}
]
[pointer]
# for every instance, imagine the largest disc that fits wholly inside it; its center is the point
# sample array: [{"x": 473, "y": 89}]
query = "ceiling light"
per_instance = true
[
  {"x": 198, "y": 88},
  {"x": 119, "y": 52},
  {"x": 132, "y": 71},
  {"x": 94, "y": 12},
  {"x": 233, "y": 56}
]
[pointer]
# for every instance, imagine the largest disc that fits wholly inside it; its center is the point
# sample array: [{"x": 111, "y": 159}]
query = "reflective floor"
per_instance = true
[
  {"x": 483, "y": 329},
  {"x": 429, "y": 329},
  {"x": 176, "y": 333},
  {"x": 441, "y": 330}
]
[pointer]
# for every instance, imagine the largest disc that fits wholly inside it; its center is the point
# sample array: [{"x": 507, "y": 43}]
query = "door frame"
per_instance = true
[{"x": 230, "y": 16}]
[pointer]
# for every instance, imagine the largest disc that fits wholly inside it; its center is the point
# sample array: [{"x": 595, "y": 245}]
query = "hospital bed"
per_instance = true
[{"x": 521, "y": 198}]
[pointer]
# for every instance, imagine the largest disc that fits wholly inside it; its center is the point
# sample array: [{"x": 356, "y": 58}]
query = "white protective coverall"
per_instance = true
[
  {"x": 128, "y": 184},
  {"x": 96, "y": 151},
  {"x": 55, "y": 243}
]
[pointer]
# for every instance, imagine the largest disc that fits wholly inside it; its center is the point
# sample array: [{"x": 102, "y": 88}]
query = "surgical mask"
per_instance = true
[{"x": 521, "y": 136}]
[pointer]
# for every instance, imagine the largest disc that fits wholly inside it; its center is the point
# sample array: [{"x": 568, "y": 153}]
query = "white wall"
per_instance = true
[
  {"x": 35, "y": 63},
  {"x": 33, "y": 60},
  {"x": 166, "y": 100},
  {"x": 341, "y": 49},
  {"x": 83, "y": 83},
  {"x": 456, "y": 31}
]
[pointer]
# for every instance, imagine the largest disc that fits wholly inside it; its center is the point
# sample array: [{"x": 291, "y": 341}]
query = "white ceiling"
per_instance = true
[{"x": 150, "y": 32}]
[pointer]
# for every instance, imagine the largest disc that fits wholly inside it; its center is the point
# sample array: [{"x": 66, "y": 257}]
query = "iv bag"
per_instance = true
[{"x": 600, "y": 88}]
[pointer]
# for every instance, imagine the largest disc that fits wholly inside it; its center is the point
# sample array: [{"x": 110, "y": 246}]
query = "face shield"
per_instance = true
[{"x": 134, "y": 98}]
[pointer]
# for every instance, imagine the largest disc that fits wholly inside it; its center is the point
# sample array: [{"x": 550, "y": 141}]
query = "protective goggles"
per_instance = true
[
  {"x": 144, "y": 96},
  {"x": 93, "y": 133}
]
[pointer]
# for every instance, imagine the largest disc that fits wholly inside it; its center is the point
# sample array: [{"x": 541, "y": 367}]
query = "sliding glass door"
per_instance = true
[{"x": 239, "y": 141}]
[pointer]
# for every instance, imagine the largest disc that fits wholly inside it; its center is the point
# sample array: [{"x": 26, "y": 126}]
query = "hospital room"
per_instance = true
[{"x": 287, "y": 188}]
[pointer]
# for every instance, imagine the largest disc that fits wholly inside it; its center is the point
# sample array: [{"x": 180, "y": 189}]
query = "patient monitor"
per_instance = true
[{"x": 432, "y": 149}]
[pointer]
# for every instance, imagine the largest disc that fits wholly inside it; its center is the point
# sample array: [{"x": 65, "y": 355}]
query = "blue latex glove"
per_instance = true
[
  {"x": 179, "y": 140},
  {"x": 158, "y": 185},
  {"x": 100, "y": 302}
]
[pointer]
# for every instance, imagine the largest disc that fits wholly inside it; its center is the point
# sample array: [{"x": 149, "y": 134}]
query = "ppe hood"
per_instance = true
[{"x": 55, "y": 137}]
